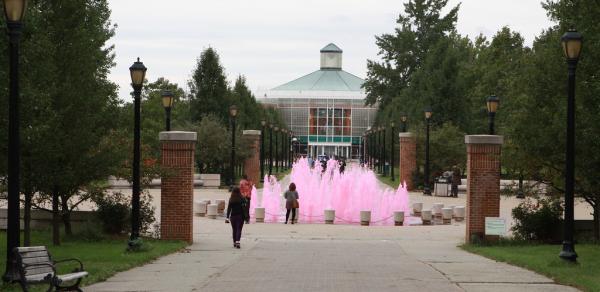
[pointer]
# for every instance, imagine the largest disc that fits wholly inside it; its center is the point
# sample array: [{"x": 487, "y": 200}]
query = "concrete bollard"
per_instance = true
[
  {"x": 211, "y": 211},
  {"x": 201, "y": 208},
  {"x": 417, "y": 207},
  {"x": 329, "y": 216},
  {"x": 452, "y": 207},
  {"x": 459, "y": 213},
  {"x": 220, "y": 206},
  {"x": 365, "y": 218},
  {"x": 399, "y": 218},
  {"x": 426, "y": 217},
  {"x": 259, "y": 214},
  {"x": 447, "y": 215},
  {"x": 437, "y": 211}
]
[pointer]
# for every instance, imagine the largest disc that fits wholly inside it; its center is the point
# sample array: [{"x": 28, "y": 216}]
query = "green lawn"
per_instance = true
[
  {"x": 544, "y": 260},
  {"x": 101, "y": 259}
]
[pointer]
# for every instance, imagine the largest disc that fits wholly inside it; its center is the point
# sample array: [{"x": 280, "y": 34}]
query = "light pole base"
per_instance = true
[
  {"x": 427, "y": 191},
  {"x": 11, "y": 275},
  {"x": 568, "y": 252}
]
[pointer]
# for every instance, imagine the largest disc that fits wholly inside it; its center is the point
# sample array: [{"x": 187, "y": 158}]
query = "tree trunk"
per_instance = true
[
  {"x": 55, "y": 218},
  {"x": 66, "y": 215},
  {"x": 27, "y": 219},
  {"x": 597, "y": 221}
]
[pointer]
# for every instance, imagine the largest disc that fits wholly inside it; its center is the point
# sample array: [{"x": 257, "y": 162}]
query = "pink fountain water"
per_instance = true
[{"x": 357, "y": 189}]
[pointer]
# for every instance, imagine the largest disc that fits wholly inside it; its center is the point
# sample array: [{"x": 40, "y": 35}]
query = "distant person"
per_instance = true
[
  {"x": 236, "y": 215},
  {"x": 291, "y": 202},
  {"x": 246, "y": 190},
  {"x": 456, "y": 180},
  {"x": 342, "y": 166}
]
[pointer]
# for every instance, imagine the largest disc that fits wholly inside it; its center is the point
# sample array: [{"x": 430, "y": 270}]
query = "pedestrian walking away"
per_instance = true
[
  {"x": 236, "y": 215},
  {"x": 456, "y": 180},
  {"x": 291, "y": 202},
  {"x": 246, "y": 190}
]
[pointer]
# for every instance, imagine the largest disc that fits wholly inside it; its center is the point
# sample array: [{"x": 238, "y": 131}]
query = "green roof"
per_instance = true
[
  {"x": 331, "y": 47},
  {"x": 325, "y": 80}
]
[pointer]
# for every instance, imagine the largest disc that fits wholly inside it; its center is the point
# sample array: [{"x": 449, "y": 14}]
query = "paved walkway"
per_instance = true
[{"x": 317, "y": 257}]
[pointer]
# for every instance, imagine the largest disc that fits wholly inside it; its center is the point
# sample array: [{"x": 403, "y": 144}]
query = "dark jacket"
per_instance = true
[{"x": 235, "y": 208}]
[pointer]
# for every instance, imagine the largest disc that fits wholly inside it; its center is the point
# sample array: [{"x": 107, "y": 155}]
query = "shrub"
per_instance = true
[
  {"x": 537, "y": 220},
  {"x": 114, "y": 211}
]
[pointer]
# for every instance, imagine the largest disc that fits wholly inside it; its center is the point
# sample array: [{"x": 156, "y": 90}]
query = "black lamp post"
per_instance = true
[
  {"x": 284, "y": 152},
  {"x": 378, "y": 149},
  {"x": 270, "y": 149},
  {"x": 571, "y": 43},
  {"x": 263, "y": 123},
  {"x": 492, "y": 107},
  {"x": 13, "y": 12},
  {"x": 403, "y": 118},
  {"x": 138, "y": 74},
  {"x": 392, "y": 147},
  {"x": 426, "y": 188},
  {"x": 276, "y": 129},
  {"x": 233, "y": 111},
  {"x": 383, "y": 152},
  {"x": 167, "y": 101}
]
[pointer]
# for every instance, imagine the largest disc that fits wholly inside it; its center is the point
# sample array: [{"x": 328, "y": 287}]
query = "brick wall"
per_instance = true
[
  {"x": 252, "y": 163},
  {"x": 177, "y": 186},
  {"x": 483, "y": 183},
  {"x": 408, "y": 158}
]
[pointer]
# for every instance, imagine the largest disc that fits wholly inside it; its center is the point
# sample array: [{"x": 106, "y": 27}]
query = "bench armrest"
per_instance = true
[{"x": 72, "y": 260}]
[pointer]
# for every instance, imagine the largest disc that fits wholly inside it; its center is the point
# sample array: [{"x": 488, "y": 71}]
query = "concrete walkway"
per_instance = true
[{"x": 317, "y": 257}]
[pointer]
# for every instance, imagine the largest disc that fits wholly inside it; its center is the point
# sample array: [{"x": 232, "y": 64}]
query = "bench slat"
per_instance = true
[
  {"x": 38, "y": 270},
  {"x": 22, "y": 249},
  {"x": 37, "y": 260},
  {"x": 34, "y": 254}
]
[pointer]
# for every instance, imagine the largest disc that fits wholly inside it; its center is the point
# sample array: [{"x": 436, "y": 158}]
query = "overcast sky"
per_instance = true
[{"x": 274, "y": 41}]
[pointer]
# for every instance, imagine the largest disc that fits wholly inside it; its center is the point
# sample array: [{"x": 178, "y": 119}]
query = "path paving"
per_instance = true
[{"x": 318, "y": 257}]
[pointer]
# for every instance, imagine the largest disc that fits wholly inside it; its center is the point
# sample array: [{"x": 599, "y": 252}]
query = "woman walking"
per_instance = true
[
  {"x": 235, "y": 215},
  {"x": 291, "y": 202}
]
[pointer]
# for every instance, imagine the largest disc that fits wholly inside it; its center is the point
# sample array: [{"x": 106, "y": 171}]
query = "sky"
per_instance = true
[{"x": 272, "y": 42}]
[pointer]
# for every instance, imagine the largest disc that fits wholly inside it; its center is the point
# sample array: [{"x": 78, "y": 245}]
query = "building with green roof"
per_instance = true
[{"x": 325, "y": 109}]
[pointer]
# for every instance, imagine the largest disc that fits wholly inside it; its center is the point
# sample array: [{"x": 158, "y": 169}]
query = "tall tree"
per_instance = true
[{"x": 209, "y": 87}]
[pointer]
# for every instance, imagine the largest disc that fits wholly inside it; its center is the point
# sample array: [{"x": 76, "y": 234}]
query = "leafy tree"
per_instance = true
[{"x": 209, "y": 87}]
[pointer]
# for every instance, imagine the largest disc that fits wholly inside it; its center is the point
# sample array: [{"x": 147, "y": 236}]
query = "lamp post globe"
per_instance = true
[
  {"x": 428, "y": 113},
  {"x": 14, "y": 11},
  {"x": 492, "y": 103},
  {"x": 233, "y": 111},
  {"x": 138, "y": 74},
  {"x": 571, "y": 43},
  {"x": 403, "y": 119},
  {"x": 167, "y": 101}
]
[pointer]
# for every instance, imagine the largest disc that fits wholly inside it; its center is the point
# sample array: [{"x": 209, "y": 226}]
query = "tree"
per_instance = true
[{"x": 209, "y": 88}]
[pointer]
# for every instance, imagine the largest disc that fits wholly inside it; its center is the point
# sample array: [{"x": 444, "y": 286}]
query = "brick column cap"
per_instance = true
[
  {"x": 251, "y": 132},
  {"x": 178, "y": 136},
  {"x": 484, "y": 139},
  {"x": 406, "y": 135}
]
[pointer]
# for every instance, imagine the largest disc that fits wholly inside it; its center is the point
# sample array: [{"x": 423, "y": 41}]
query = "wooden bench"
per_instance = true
[{"x": 37, "y": 267}]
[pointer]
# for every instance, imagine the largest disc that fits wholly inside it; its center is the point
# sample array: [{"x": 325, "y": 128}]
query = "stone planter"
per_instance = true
[
  {"x": 426, "y": 217},
  {"x": 329, "y": 216},
  {"x": 211, "y": 211},
  {"x": 447, "y": 215},
  {"x": 365, "y": 218},
  {"x": 399, "y": 218},
  {"x": 459, "y": 213},
  {"x": 259, "y": 214},
  {"x": 200, "y": 208},
  {"x": 417, "y": 207},
  {"x": 437, "y": 210}
]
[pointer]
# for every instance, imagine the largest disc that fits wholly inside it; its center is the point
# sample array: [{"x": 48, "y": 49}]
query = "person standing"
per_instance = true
[
  {"x": 291, "y": 202},
  {"x": 236, "y": 215},
  {"x": 246, "y": 190},
  {"x": 456, "y": 180}
]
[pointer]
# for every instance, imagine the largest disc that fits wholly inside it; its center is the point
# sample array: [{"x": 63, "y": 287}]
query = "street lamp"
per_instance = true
[
  {"x": 571, "y": 43},
  {"x": 13, "y": 12},
  {"x": 138, "y": 74},
  {"x": 426, "y": 190},
  {"x": 403, "y": 118},
  {"x": 233, "y": 111},
  {"x": 270, "y": 149},
  {"x": 383, "y": 152},
  {"x": 167, "y": 101},
  {"x": 276, "y": 129},
  {"x": 392, "y": 125},
  {"x": 492, "y": 107},
  {"x": 263, "y": 123}
]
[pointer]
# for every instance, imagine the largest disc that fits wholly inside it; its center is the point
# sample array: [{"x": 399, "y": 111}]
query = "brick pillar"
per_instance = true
[
  {"x": 483, "y": 183},
  {"x": 177, "y": 186},
  {"x": 252, "y": 163},
  {"x": 408, "y": 158}
]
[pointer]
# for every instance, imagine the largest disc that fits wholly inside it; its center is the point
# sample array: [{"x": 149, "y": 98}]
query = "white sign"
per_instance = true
[{"x": 495, "y": 226}]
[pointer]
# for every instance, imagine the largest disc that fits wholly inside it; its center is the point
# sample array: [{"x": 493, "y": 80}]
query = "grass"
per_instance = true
[
  {"x": 101, "y": 258},
  {"x": 544, "y": 259},
  {"x": 388, "y": 179}
]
